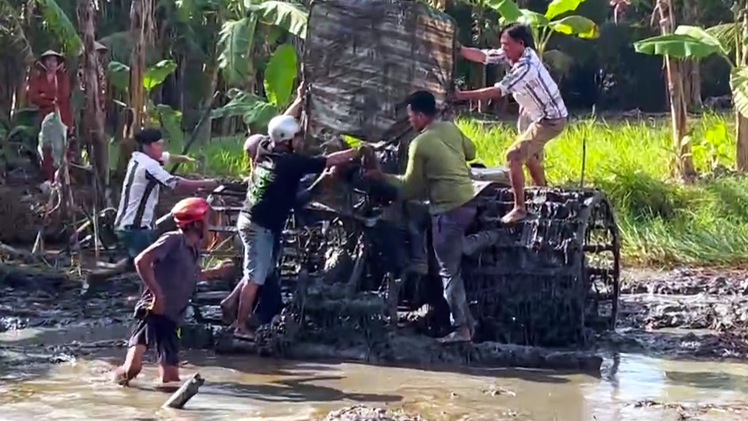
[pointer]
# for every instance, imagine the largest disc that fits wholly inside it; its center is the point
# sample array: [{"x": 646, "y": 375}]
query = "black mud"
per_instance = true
[{"x": 687, "y": 312}]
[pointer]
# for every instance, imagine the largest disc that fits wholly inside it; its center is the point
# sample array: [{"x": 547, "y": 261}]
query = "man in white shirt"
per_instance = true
[
  {"x": 145, "y": 175},
  {"x": 543, "y": 113}
]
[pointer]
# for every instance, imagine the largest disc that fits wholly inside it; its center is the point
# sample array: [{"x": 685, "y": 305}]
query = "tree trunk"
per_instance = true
[
  {"x": 141, "y": 30},
  {"x": 684, "y": 167},
  {"x": 692, "y": 85},
  {"x": 741, "y": 129},
  {"x": 93, "y": 123},
  {"x": 742, "y": 142}
]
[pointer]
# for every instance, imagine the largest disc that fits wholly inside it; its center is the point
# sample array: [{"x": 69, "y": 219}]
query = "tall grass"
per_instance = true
[{"x": 663, "y": 223}]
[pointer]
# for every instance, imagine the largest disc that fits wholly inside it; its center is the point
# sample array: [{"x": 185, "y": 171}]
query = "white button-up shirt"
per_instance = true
[{"x": 531, "y": 85}]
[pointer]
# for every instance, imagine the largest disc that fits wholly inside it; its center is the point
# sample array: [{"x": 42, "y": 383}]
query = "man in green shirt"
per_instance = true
[{"x": 437, "y": 169}]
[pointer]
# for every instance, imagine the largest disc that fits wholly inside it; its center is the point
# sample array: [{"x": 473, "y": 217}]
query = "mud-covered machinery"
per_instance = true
[{"x": 550, "y": 280}]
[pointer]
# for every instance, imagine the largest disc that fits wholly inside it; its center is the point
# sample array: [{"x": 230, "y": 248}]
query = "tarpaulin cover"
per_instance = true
[{"x": 363, "y": 57}]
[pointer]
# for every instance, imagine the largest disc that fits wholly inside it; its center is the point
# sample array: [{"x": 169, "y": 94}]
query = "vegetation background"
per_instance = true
[{"x": 233, "y": 64}]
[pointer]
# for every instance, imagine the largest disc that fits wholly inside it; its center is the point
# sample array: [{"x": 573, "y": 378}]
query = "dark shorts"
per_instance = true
[{"x": 155, "y": 330}]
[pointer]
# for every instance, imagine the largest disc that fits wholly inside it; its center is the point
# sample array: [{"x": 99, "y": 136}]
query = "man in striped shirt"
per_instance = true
[
  {"x": 542, "y": 116},
  {"x": 145, "y": 175}
]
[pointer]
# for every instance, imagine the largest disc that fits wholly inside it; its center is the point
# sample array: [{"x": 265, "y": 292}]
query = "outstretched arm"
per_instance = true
[
  {"x": 490, "y": 56},
  {"x": 411, "y": 184},
  {"x": 479, "y": 94},
  {"x": 515, "y": 80}
]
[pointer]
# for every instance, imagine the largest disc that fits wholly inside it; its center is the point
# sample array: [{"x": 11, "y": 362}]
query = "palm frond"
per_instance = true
[
  {"x": 56, "y": 21},
  {"x": 726, "y": 34},
  {"x": 236, "y": 41},
  {"x": 12, "y": 33}
]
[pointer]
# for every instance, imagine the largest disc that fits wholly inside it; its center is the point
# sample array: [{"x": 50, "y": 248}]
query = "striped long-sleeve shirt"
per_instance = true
[
  {"x": 531, "y": 85},
  {"x": 140, "y": 192}
]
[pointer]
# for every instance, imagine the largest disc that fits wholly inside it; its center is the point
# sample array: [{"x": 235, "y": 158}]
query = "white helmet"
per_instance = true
[{"x": 283, "y": 128}]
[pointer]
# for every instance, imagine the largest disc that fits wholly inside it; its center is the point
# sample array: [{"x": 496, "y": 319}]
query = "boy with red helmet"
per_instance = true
[{"x": 170, "y": 271}]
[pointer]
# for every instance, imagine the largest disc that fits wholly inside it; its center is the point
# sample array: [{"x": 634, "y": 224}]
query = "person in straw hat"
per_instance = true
[{"x": 49, "y": 90}]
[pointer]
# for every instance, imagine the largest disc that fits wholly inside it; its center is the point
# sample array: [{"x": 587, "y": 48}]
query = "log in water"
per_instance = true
[{"x": 185, "y": 393}]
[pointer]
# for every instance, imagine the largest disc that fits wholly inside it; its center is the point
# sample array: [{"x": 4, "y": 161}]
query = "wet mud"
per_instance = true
[
  {"x": 686, "y": 312},
  {"x": 678, "y": 314},
  {"x": 364, "y": 413}
]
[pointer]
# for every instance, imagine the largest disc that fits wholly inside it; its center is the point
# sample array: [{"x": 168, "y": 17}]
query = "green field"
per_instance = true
[{"x": 662, "y": 223}]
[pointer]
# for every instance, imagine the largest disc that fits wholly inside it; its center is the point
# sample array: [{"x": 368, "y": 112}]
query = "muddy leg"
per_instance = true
[
  {"x": 449, "y": 230},
  {"x": 166, "y": 334},
  {"x": 537, "y": 172},
  {"x": 246, "y": 303},
  {"x": 517, "y": 179},
  {"x": 132, "y": 366},
  {"x": 393, "y": 294},
  {"x": 230, "y": 304},
  {"x": 258, "y": 243}
]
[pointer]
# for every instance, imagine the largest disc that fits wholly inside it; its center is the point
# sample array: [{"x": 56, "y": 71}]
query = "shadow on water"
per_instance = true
[
  {"x": 296, "y": 390},
  {"x": 710, "y": 380}
]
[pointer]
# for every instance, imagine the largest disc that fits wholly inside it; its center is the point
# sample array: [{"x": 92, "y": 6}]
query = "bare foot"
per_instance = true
[
  {"x": 119, "y": 376},
  {"x": 514, "y": 216},
  {"x": 244, "y": 335},
  {"x": 228, "y": 312},
  {"x": 168, "y": 386}
]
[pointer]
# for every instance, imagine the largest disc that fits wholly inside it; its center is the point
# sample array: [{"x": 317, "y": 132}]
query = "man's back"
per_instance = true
[
  {"x": 274, "y": 184},
  {"x": 443, "y": 151}
]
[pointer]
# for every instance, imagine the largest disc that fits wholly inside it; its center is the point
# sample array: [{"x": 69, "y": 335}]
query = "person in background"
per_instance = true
[
  {"x": 143, "y": 180},
  {"x": 277, "y": 172},
  {"x": 49, "y": 89},
  {"x": 170, "y": 270},
  {"x": 543, "y": 113},
  {"x": 438, "y": 169}
]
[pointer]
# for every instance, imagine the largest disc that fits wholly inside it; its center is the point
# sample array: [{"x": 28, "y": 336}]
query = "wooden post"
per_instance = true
[
  {"x": 185, "y": 393},
  {"x": 741, "y": 122}
]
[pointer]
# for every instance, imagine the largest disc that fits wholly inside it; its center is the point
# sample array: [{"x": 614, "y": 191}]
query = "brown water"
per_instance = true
[{"x": 240, "y": 388}]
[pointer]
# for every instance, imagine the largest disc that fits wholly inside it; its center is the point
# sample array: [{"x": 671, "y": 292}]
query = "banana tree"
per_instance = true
[
  {"x": 544, "y": 26},
  {"x": 729, "y": 41},
  {"x": 237, "y": 37},
  {"x": 280, "y": 77},
  {"x": 169, "y": 119}
]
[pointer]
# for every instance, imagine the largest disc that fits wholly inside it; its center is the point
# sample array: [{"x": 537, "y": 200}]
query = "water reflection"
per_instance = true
[{"x": 252, "y": 388}]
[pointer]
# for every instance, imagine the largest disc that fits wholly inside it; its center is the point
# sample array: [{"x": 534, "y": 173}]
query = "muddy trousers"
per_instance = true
[{"x": 448, "y": 230}]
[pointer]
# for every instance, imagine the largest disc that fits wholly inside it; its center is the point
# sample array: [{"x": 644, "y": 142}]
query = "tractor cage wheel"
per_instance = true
[{"x": 551, "y": 279}]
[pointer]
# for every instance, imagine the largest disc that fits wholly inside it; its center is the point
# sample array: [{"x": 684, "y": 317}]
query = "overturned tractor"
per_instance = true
[{"x": 357, "y": 259}]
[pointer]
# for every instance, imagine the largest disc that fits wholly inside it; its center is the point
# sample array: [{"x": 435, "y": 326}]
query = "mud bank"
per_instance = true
[
  {"x": 57, "y": 302},
  {"x": 686, "y": 312},
  {"x": 363, "y": 413}
]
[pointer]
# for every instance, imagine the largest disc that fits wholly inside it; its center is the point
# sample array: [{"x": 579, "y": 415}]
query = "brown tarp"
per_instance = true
[{"x": 363, "y": 57}]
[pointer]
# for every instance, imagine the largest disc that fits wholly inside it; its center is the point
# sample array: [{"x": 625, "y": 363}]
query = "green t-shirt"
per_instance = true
[{"x": 437, "y": 168}]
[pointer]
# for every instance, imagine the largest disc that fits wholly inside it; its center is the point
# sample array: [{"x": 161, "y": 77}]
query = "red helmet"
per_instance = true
[{"x": 192, "y": 209}]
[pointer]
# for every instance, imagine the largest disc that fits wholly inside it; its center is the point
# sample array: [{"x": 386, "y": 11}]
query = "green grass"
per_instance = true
[{"x": 662, "y": 222}]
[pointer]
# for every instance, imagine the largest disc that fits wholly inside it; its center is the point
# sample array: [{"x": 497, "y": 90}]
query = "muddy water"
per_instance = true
[
  {"x": 631, "y": 387},
  {"x": 681, "y": 314}
]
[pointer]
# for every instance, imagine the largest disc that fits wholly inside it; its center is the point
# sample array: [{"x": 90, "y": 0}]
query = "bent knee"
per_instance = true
[{"x": 514, "y": 156}]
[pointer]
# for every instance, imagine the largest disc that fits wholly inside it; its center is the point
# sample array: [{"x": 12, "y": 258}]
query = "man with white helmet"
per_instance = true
[
  {"x": 276, "y": 175},
  {"x": 269, "y": 300}
]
